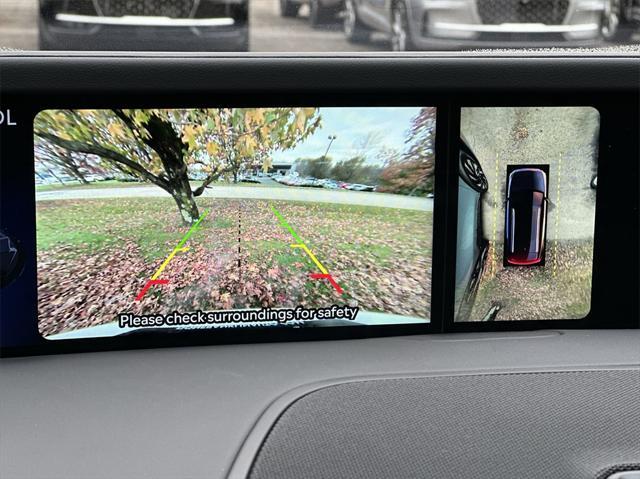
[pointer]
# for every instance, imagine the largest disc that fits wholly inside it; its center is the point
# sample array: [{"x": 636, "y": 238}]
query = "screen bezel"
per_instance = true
[
  {"x": 284, "y": 331},
  {"x": 614, "y": 142},
  {"x": 448, "y": 84},
  {"x": 585, "y": 320}
]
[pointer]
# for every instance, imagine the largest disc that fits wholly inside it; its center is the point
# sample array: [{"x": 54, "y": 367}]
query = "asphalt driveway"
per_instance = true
[{"x": 318, "y": 195}]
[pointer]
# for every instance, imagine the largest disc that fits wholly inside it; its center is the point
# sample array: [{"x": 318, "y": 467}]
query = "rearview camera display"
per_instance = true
[
  {"x": 527, "y": 180},
  {"x": 168, "y": 220}
]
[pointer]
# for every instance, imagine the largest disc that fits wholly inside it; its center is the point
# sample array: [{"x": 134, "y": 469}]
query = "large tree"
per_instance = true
[
  {"x": 159, "y": 146},
  {"x": 412, "y": 173},
  {"x": 356, "y": 170},
  {"x": 316, "y": 167}
]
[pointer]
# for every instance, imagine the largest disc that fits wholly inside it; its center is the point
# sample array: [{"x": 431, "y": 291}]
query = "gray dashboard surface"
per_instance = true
[
  {"x": 185, "y": 412},
  {"x": 568, "y": 424}
]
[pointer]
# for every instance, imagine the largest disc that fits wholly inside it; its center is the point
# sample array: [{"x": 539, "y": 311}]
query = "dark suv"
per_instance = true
[
  {"x": 167, "y": 25},
  {"x": 525, "y": 217}
]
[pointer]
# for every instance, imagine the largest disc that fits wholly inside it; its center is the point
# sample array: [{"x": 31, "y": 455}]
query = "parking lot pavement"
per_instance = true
[
  {"x": 269, "y": 32},
  {"x": 19, "y": 24}
]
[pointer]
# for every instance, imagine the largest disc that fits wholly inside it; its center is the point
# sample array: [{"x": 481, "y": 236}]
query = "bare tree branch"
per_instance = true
[
  {"x": 214, "y": 175},
  {"x": 105, "y": 153}
]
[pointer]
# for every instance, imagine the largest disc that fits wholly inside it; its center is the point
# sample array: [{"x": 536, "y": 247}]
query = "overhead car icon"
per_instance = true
[{"x": 526, "y": 217}]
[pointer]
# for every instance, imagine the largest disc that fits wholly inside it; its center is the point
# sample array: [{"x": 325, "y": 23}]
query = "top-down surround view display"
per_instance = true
[
  {"x": 205, "y": 218},
  {"x": 526, "y": 213}
]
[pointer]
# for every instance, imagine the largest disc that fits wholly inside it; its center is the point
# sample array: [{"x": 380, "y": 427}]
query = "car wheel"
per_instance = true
[
  {"x": 610, "y": 19},
  {"x": 318, "y": 15},
  {"x": 400, "y": 33},
  {"x": 353, "y": 28},
  {"x": 288, "y": 8},
  {"x": 625, "y": 27},
  {"x": 471, "y": 170}
]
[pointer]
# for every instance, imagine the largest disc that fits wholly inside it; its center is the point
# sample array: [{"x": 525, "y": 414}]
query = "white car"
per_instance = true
[{"x": 360, "y": 187}]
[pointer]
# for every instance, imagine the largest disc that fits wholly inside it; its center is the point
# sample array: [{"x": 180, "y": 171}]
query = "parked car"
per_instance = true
[
  {"x": 292, "y": 181},
  {"x": 167, "y": 25},
  {"x": 526, "y": 217},
  {"x": 359, "y": 187},
  {"x": 330, "y": 184},
  {"x": 472, "y": 246},
  {"x": 627, "y": 13},
  {"x": 310, "y": 182},
  {"x": 249, "y": 179},
  {"x": 320, "y": 11},
  {"x": 424, "y": 25}
]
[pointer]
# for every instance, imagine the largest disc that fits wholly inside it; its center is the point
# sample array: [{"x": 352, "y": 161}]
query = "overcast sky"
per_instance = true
[{"x": 351, "y": 125}]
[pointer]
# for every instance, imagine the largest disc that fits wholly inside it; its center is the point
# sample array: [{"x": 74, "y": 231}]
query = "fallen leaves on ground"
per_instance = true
[
  {"x": 561, "y": 289},
  {"x": 240, "y": 257}
]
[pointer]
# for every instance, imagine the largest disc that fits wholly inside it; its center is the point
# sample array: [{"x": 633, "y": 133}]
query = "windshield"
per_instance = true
[{"x": 315, "y": 25}]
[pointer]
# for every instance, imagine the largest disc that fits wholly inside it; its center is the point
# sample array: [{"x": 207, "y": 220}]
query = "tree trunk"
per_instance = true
[
  {"x": 183, "y": 196},
  {"x": 168, "y": 144},
  {"x": 187, "y": 206}
]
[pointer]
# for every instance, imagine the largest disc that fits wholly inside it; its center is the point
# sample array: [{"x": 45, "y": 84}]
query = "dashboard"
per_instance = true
[
  {"x": 306, "y": 266},
  {"x": 205, "y": 411}
]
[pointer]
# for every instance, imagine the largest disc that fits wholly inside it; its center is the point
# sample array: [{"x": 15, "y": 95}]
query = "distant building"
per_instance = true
[{"x": 280, "y": 168}]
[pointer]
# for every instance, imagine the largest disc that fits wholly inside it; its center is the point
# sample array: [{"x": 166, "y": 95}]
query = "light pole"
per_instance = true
[{"x": 331, "y": 138}]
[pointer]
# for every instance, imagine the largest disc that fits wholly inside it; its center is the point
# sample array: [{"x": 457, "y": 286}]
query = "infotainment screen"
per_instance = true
[
  {"x": 170, "y": 219},
  {"x": 527, "y": 185}
]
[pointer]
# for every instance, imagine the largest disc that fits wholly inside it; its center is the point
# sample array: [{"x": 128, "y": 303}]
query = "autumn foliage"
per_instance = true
[
  {"x": 412, "y": 173},
  {"x": 162, "y": 146}
]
